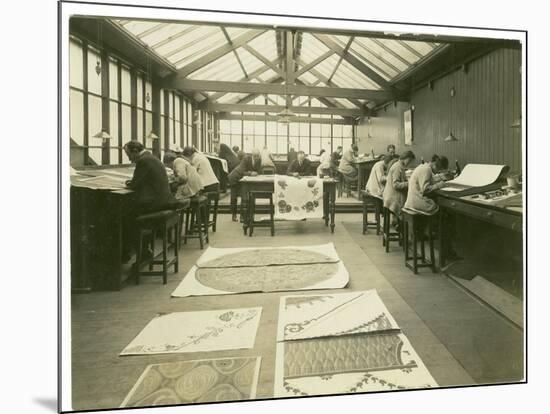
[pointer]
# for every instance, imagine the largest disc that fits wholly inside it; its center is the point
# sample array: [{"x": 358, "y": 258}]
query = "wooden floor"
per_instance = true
[{"x": 460, "y": 340}]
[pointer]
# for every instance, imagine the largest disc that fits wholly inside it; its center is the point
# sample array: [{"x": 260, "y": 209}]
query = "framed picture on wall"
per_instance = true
[{"x": 407, "y": 121}]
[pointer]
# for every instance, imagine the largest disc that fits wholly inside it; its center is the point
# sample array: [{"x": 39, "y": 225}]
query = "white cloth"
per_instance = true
[
  {"x": 377, "y": 180},
  {"x": 206, "y": 173}
]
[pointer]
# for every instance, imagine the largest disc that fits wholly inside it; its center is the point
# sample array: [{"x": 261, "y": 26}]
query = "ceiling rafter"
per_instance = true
[
  {"x": 379, "y": 57},
  {"x": 224, "y": 30},
  {"x": 410, "y": 48},
  {"x": 263, "y": 59},
  {"x": 218, "y": 53},
  {"x": 313, "y": 63},
  {"x": 190, "y": 44},
  {"x": 355, "y": 62},
  {"x": 391, "y": 52},
  {"x": 151, "y": 30},
  {"x": 175, "y": 36},
  {"x": 219, "y": 107},
  {"x": 350, "y": 41}
]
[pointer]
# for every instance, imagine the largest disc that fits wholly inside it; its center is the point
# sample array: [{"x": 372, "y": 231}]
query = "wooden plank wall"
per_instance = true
[{"x": 486, "y": 104}]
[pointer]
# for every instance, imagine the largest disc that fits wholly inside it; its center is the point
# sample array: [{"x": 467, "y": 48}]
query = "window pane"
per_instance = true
[
  {"x": 225, "y": 126},
  {"x": 148, "y": 96},
  {"x": 140, "y": 125},
  {"x": 113, "y": 80},
  {"x": 346, "y": 131},
  {"x": 294, "y": 129},
  {"x": 259, "y": 128},
  {"x": 248, "y": 143},
  {"x": 176, "y": 139},
  {"x": 126, "y": 124},
  {"x": 337, "y": 130},
  {"x": 315, "y": 130},
  {"x": 272, "y": 143},
  {"x": 325, "y": 144},
  {"x": 113, "y": 156},
  {"x": 346, "y": 142},
  {"x": 95, "y": 155},
  {"x": 225, "y": 139},
  {"x": 271, "y": 128},
  {"x": 76, "y": 116},
  {"x": 294, "y": 142},
  {"x": 125, "y": 159},
  {"x": 236, "y": 127},
  {"x": 94, "y": 80},
  {"x": 325, "y": 130},
  {"x": 94, "y": 119},
  {"x": 139, "y": 91},
  {"x": 125, "y": 85},
  {"x": 149, "y": 123},
  {"x": 113, "y": 122},
  {"x": 304, "y": 144},
  {"x": 162, "y": 122},
  {"x": 248, "y": 127},
  {"x": 170, "y": 130},
  {"x": 304, "y": 129},
  {"x": 76, "y": 71},
  {"x": 282, "y": 144},
  {"x": 171, "y": 104},
  {"x": 162, "y": 101},
  {"x": 315, "y": 145},
  {"x": 189, "y": 135},
  {"x": 177, "y": 109},
  {"x": 282, "y": 129}
]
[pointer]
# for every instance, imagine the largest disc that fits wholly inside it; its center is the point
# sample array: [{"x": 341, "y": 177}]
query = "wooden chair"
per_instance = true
[
  {"x": 149, "y": 225},
  {"x": 212, "y": 213},
  {"x": 264, "y": 195},
  {"x": 412, "y": 227},
  {"x": 371, "y": 204},
  {"x": 387, "y": 234}
]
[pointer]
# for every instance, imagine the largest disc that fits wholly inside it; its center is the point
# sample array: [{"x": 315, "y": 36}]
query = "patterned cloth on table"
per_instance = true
[{"x": 297, "y": 198}]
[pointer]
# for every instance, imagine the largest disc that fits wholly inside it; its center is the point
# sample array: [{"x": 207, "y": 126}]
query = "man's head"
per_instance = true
[
  {"x": 387, "y": 159},
  {"x": 407, "y": 157},
  {"x": 391, "y": 149},
  {"x": 235, "y": 149},
  {"x": 133, "y": 149},
  {"x": 439, "y": 164},
  {"x": 339, "y": 150},
  {"x": 169, "y": 158},
  {"x": 188, "y": 152},
  {"x": 354, "y": 149},
  {"x": 301, "y": 155},
  {"x": 256, "y": 156}
]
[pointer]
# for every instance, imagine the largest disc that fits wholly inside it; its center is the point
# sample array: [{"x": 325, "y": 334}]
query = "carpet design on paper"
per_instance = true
[
  {"x": 266, "y": 278},
  {"x": 221, "y": 271},
  {"x": 197, "y": 332},
  {"x": 184, "y": 382},
  {"x": 297, "y": 198}
]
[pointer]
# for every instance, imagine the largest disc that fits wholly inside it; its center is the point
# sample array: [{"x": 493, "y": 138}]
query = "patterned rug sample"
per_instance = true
[
  {"x": 297, "y": 198},
  {"x": 185, "y": 382}
]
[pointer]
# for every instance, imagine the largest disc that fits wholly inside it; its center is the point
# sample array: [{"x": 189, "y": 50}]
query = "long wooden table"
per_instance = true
[
  {"x": 452, "y": 203},
  {"x": 97, "y": 214},
  {"x": 266, "y": 183}
]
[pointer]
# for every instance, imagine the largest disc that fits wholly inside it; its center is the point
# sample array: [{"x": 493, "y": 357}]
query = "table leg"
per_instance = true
[
  {"x": 326, "y": 198},
  {"x": 332, "y": 206},
  {"x": 244, "y": 207},
  {"x": 360, "y": 178},
  {"x": 442, "y": 236}
]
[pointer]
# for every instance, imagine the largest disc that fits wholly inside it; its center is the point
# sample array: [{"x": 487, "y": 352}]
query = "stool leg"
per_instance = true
[
  {"x": 252, "y": 209},
  {"x": 215, "y": 217},
  {"x": 138, "y": 257},
  {"x": 387, "y": 233},
  {"x": 164, "y": 255},
  {"x": 187, "y": 220},
  {"x": 198, "y": 215},
  {"x": 271, "y": 216},
  {"x": 176, "y": 249},
  {"x": 422, "y": 250},
  {"x": 206, "y": 227},
  {"x": 365, "y": 217},
  {"x": 152, "y": 247},
  {"x": 377, "y": 218},
  {"x": 432, "y": 253},
  {"x": 406, "y": 239},
  {"x": 415, "y": 246}
]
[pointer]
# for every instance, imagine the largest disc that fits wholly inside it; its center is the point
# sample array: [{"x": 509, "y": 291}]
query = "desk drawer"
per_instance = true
[{"x": 502, "y": 219}]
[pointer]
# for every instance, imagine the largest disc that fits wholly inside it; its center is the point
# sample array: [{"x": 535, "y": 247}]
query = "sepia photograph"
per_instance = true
[{"x": 261, "y": 206}]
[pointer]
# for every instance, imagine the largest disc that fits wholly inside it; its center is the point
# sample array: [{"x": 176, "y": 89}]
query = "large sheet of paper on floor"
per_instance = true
[
  {"x": 343, "y": 343},
  {"x": 298, "y": 198},
  {"x": 201, "y": 331},
  {"x": 475, "y": 175},
  {"x": 264, "y": 269},
  {"x": 197, "y": 381}
]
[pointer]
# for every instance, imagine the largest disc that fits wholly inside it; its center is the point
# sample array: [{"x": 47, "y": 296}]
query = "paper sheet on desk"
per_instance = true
[{"x": 475, "y": 175}]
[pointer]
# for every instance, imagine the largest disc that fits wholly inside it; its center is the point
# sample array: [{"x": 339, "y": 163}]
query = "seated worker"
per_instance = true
[
  {"x": 250, "y": 165},
  {"x": 377, "y": 178},
  {"x": 291, "y": 156},
  {"x": 335, "y": 161},
  {"x": 390, "y": 150},
  {"x": 186, "y": 178},
  {"x": 240, "y": 154},
  {"x": 324, "y": 163},
  {"x": 152, "y": 192},
  {"x": 227, "y": 154},
  {"x": 300, "y": 166},
  {"x": 395, "y": 191},
  {"x": 346, "y": 167},
  {"x": 204, "y": 168}
]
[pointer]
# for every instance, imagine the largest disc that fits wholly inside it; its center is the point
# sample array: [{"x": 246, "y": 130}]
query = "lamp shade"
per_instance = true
[
  {"x": 152, "y": 135},
  {"x": 102, "y": 135},
  {"x": 451, "y": 137}
]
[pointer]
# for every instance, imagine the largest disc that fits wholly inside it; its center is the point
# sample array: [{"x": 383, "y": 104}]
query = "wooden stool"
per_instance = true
[
  {"x": 387, "y": 234},
  {"x": 162, "y": 222},
  {"x": 196, "y": 220},
  {"x": 180, "y": 208},
  {"x": 371, "y": 204},
  {"x": 412, "y": 223},
  {"x": 252, "y": 197},
  {"x": 213, "y": 201}
]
